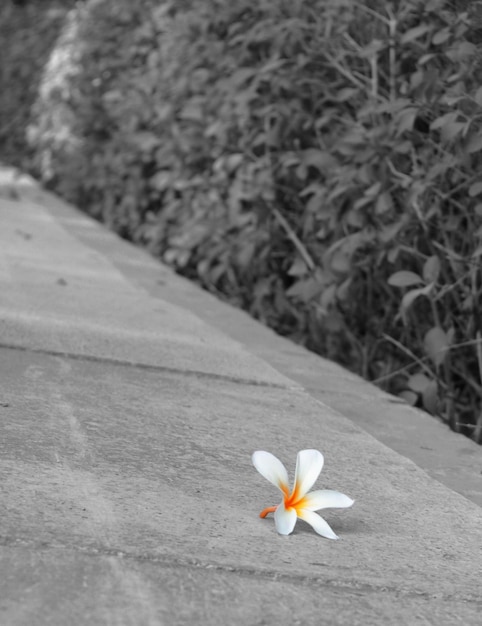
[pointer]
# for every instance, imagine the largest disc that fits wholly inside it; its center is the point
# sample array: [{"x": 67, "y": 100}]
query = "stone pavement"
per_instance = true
[{"x": 130, "y": 404}]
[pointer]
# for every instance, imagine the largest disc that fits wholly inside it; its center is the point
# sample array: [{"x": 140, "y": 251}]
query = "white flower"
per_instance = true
[{"x": 299, "y": 503}]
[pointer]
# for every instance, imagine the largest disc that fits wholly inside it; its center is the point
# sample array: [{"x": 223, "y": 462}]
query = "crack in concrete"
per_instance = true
[
  {"x": 350, "y": 586},
  {"x": 154, "y": 368}
]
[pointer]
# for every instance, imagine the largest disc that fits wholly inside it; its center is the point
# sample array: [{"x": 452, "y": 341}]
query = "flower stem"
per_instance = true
[{"x": 269, "y": 509}]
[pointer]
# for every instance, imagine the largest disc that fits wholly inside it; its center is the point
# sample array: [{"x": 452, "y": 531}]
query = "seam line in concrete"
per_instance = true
[
  {"x": 353, "y": 587},
  {"x": 154, "y": 368}
]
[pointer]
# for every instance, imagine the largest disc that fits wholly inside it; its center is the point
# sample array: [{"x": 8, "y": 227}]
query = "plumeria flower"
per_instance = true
[{"x": 299, "y": 503}]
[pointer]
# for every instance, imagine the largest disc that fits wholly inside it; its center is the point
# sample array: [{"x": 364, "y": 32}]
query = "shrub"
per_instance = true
[
  {"x": 315, "y": 162},
  {"x": 27, "y": 34}
]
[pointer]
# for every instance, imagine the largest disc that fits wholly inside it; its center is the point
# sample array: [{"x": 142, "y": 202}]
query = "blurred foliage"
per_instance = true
[
  {"x": 316, "y": 162},
  {"x": 28, "y": 31}
]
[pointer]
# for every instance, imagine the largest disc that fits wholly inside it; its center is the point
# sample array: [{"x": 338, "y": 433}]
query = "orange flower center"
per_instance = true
[{"x": 291, "y": 501}]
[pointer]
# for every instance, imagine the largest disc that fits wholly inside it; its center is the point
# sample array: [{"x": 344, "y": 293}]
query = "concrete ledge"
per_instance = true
[
  {"x": 446, "y": 456},
  {"x": 128, "y": 494}
]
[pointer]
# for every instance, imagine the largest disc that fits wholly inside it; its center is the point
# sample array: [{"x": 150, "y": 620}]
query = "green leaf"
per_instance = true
[
  {"x": 318, "y": 159},
  {"x": 233, "y": 161},
  {"x": 451, "y": 131},
  {"x": 443, "y": 120},
  {"x": 414, "y": 33},
  {"x": 406, "y": 119},
  {"x": 242, "y": 75},
  {"x": 410, "y": 297},
  {"x": 161, "y": 180},
  {"x": 436, "y": 345},
  {"x": 246, "y": 255},
  {"x": 431, "y": 269},
  {"x": 328, "y": 297},
  {"x": 434, "y": 5},
  {"x": 478, "y": 251},
  {"x": 384, "y": 203},
  {"x": 316, "y": 205},
  {"x": 373, "y": 190},
  {"x": 405, "y": 279},
  {"x": 410, "y": 397},
  {"x": 417, "y": 78},
  {"x": 461, "y": 51},
  {"x": 306, "y": 289},
  {"x": 348, "y": 93},
  {"x": 298, "y": 267},
  {"x": 340, "y": 262},
  {"x": 361, "y": 202},
  {"x": 478, "y": 96},
  {"x": 441, "y": 36},
  {"x": 474, "y": 144},
  {"x": 475, "y": 189},
  {"x": 418, "y": 382},
  {"x": 192, "y": 112},
  {"x": 424, "y": 59},
  {"x": 343, "y": 290},
  {"x": 388, "y": 233},
  {"x": 145, "y": 141}
]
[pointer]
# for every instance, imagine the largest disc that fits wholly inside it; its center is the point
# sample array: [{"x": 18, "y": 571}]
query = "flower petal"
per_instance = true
[
  {"x": 309, "y": 464},
  {"x": 318, "y": 523},
  {"x": 272, "y": 469},
  {"x": 325, "y": 499},
  {"x": 285, "y": 519}
]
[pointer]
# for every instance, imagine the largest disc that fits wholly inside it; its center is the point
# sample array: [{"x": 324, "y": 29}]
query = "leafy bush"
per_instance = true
[
  {"x": 27, "y": 34},
  {"x": 314, "y": 161}
]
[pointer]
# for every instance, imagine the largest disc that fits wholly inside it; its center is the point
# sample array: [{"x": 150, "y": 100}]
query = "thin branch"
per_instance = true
[
  {"x": 463, "y": 344},
  {"x": 400, "y": 370},
  {"x": 409, "y": 353},
  {"x": 400, "y": 175},
  {"x": 372, "y": 12},
  {"x": 392, "y": 28},
  {"x": 479, "y": 352},
  {"x": 374, "y": 69},
  {"x": 478, "y": 348},
  {"x": 350, "y": 40},
  {"x": 454, "y": 202},
  {"x": 310, "y": 264},
  {"x": 467, "y": 379},
  {"x": 343, "y": 71},
  {"x": 464, "y": 183}
]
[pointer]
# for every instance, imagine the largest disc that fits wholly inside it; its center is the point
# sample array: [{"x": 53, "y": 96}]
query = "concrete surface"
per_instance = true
[
  {"x": 130, "y": 404},
  {"x": 453, "y": 460}
]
